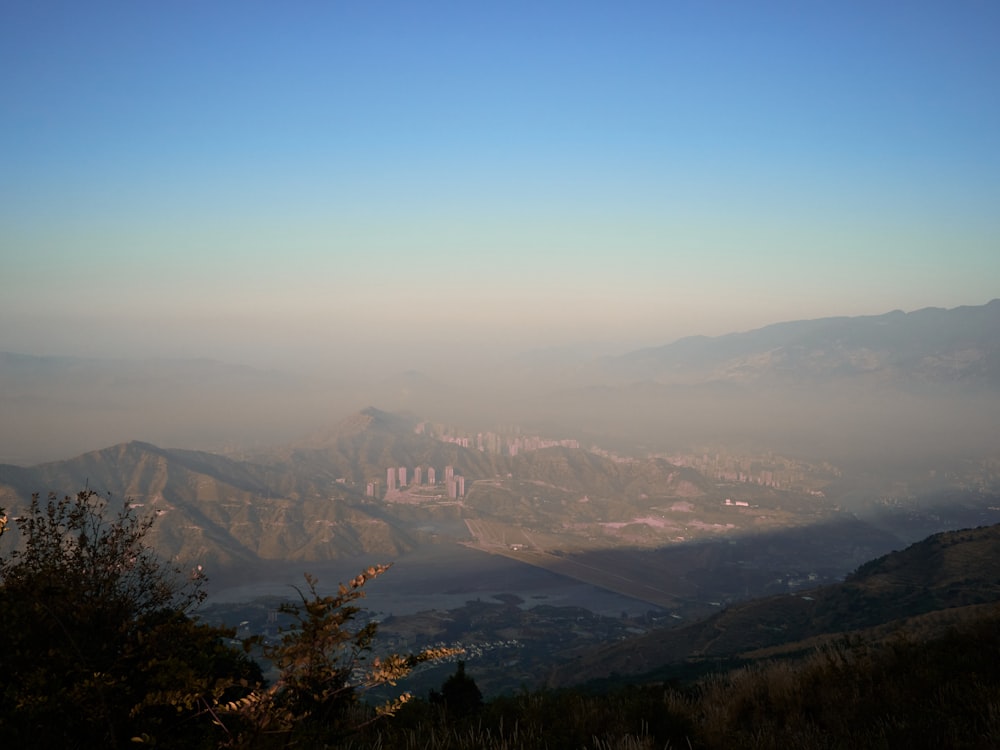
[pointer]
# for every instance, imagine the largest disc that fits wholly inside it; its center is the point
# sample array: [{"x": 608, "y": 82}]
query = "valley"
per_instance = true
[
  {"x": 630, "y": 372},
  {"x": 680, "y": 483},
  {"x": 565, "y": 549}
]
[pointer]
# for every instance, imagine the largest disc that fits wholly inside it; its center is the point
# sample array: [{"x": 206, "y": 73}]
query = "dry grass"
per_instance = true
[{"x": 905, "y": 692}]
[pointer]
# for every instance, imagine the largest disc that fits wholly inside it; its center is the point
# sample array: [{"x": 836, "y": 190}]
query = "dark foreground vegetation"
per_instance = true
[
  {"x": 906, "y": 694},
  {"x": 102, "y": 647}
]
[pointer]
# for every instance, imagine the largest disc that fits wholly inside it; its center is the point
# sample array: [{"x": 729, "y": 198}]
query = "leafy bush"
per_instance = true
[{"x": 99, "y": 644}]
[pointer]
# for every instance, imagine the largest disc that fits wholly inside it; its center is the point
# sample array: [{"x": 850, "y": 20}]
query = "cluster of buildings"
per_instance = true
[
  {"x": 493, "y": 442},
  {"x": 398, "y": 477},
  {"x": 764, "y": 470}
]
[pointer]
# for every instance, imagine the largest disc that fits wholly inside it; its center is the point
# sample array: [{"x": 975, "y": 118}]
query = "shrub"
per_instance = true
[
  {"x": 99, "y": 644},
  {"x": 326, "y": 665}
]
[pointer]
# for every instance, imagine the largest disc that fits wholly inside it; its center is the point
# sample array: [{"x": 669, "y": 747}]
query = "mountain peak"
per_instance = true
[{"x": 372, "y": 418}]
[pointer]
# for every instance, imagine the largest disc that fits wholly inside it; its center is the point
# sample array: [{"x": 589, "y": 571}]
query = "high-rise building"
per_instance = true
[
  {"x": 461, "y": 485},
  {"x": 418, "y": 475},
  {"x": 390, "y": 480},
  {"x": 402, "y": 476},
  {"x": 452, "y": 486},
  {"x": 449, "y": 472},
  {"x": 370, "y": 490},
  {"x": 431, "y": 476}
]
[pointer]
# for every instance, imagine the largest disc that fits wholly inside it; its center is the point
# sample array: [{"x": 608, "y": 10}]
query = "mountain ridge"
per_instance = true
[
  {"x": 215, "y": 510},
  {"x": 930, "y": 345}
]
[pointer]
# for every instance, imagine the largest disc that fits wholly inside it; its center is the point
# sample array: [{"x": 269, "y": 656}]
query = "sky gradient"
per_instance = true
[{"x": 262, "y": 182}]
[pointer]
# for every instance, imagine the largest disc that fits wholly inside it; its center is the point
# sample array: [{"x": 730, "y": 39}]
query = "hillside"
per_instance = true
[
  {"x": 736, "y": 526},
  {"x": 214, "y": 510},
  {"x": 946, "y": 571},
  {"x": 307, "y": 500}
]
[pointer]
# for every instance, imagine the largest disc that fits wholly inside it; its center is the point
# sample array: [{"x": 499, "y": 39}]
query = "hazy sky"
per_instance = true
[{"x": 260, "y": 180}]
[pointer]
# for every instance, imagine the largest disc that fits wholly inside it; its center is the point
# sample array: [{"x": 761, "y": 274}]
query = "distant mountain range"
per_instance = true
[
  {"x": 703, "y": 387},
  {"x": 929, "y": 347}
]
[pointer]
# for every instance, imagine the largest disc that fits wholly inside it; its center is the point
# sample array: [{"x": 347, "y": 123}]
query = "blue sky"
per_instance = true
[{"x": 255, "y": 181}]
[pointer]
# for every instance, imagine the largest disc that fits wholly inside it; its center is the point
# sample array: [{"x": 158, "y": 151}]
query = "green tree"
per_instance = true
[
  {"x": 459, "y": 694},
  {"x": 99, "y": 645}
]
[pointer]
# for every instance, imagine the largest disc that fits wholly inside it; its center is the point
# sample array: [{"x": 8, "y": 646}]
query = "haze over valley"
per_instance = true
[
  {"x": 888, "y": 386},
  {"x": 631, "y": 334},
  {"x": 662, "y": 483}
]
